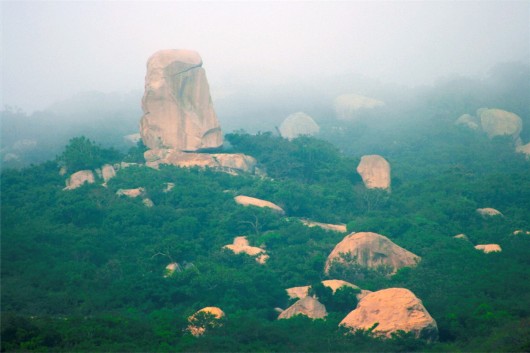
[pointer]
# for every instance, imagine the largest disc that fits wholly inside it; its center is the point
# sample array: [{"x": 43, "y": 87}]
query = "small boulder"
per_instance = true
[
  {"x": 169, "y": 187},
  {"x": 461, "y": 236},
  {"x": 497, "y": 122},
  {"x": 469, "y": 121},
  {"x": 252, "y": 201},
  {"x": 371, "y": 250},
  {"x": 390, "y": 310},
  {"x": 79, "y": 178},
  {"x": 525, "y": 149},
  {"x": 341, "y": 228},
  {"x": 488, "y": 212},
  {"x": 204, "y": 319},
  {"x": 307, "y": 306},
  {"x": 487, "y": 248},
  {"x": 375, "y": 172},
  {"x": 147, "y": 202},
  {"x": 171, "y": 269},
  {"x": 131, "y": 192},
  {"x": 241, "y": 245},
  {"x": 298, "y": 124}
]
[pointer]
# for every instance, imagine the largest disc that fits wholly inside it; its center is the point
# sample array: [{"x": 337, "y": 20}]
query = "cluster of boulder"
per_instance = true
[
  {"x": 486, "y": 212},
  {"x": 496, "y": 122},
  {"x": 82, "y": 177}
]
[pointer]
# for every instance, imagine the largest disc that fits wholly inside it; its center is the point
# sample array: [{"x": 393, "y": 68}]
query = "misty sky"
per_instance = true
[{"x": 52, "y": 50}]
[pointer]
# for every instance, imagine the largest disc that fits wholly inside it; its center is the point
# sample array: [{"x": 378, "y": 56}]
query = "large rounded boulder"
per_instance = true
[
  {"x": 391, "y": 310},
  {"x": 298, "y": 124},
  {"x": 497, "y": 122},
  {"x": 375, "y": 172},
  {"x": 371, "y": 250}
]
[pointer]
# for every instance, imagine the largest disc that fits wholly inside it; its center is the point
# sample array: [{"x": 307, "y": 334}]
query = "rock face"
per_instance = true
[
  {"x": 307, "y": 306},
  {"x": 298, "y": 124},
  {"x": 488, "y": 212},
  {"x": 347, "y": 105},
  {"x": 487, "y": 248},
  {"x": 241, "y": 245},
  {"x": 236, "y": 162},
  {"x": 251, "y": 201},
  {"x": 375, "y": 171},
  {"x": 371, "y": 250},
  {"x": 204, "y": 319},
  {"x": 392, "y": 309},
  {"x": 326, "y": 226},
  {"x": 79, "y": 178},
  {"x": 178, "y": 109},
  {"x": 497, "y": 122}
]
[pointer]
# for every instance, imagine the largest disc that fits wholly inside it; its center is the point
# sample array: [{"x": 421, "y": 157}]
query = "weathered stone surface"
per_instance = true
[
  {"x": 497, "y": 122},
  {"x": 487, "y": 248},
  {"x": 326, "y": 226},
  {"x": 252, "y": 201},
  {"x": 524, "y": 149},
  {"x": 224, "y": 161},
  {"x": 131, "y": 192},
  {"x": 198, "y": 326},
  {"x": 178, "y": 109},
  {"x": 371, "y": 250},
  {"x": 241, "y": 245},
  {"x": 375, "y": 172},
  {"x": 307, "y": 306},
  {"x": 79, "y": 178},
  {"x": 392, "y": 309},
  {"x": 488, "y": 212},
  {"x": 107, "y": 172},
  {"x": 298, "y": 124},
  {"x": 469, "y": 121},
  {"x": 347, "y": 105}
]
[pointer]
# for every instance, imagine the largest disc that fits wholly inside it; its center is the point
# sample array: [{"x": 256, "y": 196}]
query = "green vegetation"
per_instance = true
[{"x": 83, "y": 270}]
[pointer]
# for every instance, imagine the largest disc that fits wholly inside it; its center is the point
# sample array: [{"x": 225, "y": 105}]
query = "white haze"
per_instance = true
[{"x": 53, "y": 50}]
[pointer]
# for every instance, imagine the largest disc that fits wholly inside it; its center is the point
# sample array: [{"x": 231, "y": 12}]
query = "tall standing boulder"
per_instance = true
[
  {"x": 177, "y": 106},
  {"x": 391, "y": 310},
  {"x": 298, "y": 124},
  {"x": 371, "y": 250},
  {"x": 375, "y": 172}
]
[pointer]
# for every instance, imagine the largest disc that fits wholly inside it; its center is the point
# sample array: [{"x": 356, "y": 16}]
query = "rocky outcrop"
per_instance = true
[
  {"x": 469, "y": 121},
  {"x": 251, "y": 201},
  {"x": 497, "y": 122},
  {"x": 347, "y": 105},
  {"x": 488, "y": 212},
  {"x": 525, "y": 149},
  {"x": 241, "y": 245},
  {"x": 223, "y": 161},
  {"x": 371, "y": 250},
  {"x": 487, "y": 248},
  {"x": 307, "y": 306},
  {"x": 390, "y": 310},
  {"x": 204, "y": 319},
  {"x": 131, "y": 192},
  {"x": 375, "y": 172},
  {"x": 298, "y": 124},
  {"x": 79, "y": 178},
  {"x": 178, "y": 109},
  {"x": 341, "y": 228}
]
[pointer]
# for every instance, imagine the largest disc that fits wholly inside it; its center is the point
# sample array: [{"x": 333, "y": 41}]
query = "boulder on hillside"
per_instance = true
[
  {"x": 469, "y": 121},
  {"x": 171, "y": 269},
  {"x": 461, "y": 236},
  {"x": 177, "y": 106},
  {"x": 79, "y": 178},
  {"x": 131, "y": 192},
  {"x": 341, "y": 228},
  {"x": 333, "y": 284},
  {"x": 204, "y": 319},
  {"x": 371, "y": 250},
  {"x": 298, "y": 292},
  {"x": 347, "y": 105},
  {"x": 107, "y": 172},
  {"x": 525, "y": 149},
  {"x": 391, "y": 310},
  {"x": 241, "y": 245},
  {"x": 298, "y": 124},
  {"x": 487, "y": 248},
  {"x": 375, "y": 172},
  {"x": 497, "y": 122},
  {"x": 222, "y": 161},
  {"x": 252, "y": 201},
  {"x": 307, "y": 306},
  {"x": 488, "y": 212}
]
